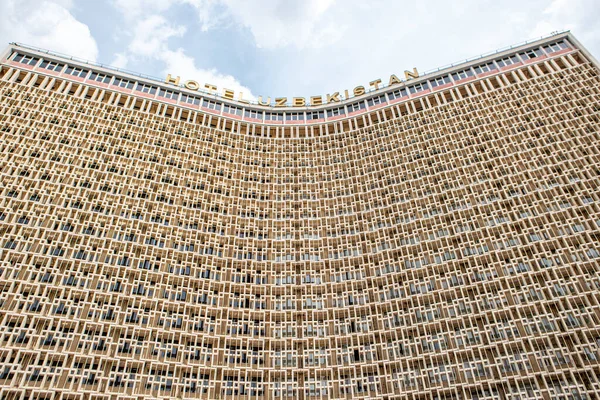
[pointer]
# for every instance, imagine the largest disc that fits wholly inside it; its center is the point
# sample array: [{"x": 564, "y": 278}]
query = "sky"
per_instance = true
[{"x": 289, "y": 48}]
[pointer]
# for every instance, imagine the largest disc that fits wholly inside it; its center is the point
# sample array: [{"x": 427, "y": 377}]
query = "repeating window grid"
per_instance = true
[{"x": 417, "y": 282}]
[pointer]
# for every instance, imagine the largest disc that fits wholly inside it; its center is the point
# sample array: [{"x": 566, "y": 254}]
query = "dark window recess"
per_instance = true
[
  {"x": 396, "y": 94},
  {"x": 334, "y": 112},
  {"x": 439, "y": 81},
  {"x": 29, "y": 60},
  {"x": 376, "y": 100},
  {"x": 457, "y": 76}
]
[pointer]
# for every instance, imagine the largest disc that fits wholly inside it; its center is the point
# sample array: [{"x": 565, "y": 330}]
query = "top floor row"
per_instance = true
[{"x": 333, "y": 107}]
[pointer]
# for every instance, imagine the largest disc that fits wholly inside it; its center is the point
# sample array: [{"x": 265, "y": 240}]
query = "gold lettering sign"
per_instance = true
[
  {"x": 228, "y": 94},
  {"x": 316, "y": 100},
  {"x": 411, "y": 75},
  {"x": 333, "y": 97},
  {"x": 171, "y": 80},
  {"x": 265, "y": 103},
  {"x": 394, "y": 80},
  {"x": 296, "y": 101},
  {"x": 359, "y": 90},
  {"x": 375, "y": 83},
  {"x": 241, "y": 98},
  {"x": 192, "y": 85}
]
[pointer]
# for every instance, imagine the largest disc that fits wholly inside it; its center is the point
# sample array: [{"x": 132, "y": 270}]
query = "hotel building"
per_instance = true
[{"x": 434, "y": 239}]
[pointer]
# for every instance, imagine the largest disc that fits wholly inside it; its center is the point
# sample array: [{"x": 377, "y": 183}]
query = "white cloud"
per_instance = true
[
  {"x": 306, "y": 47},
  {"x": 120, "y": 61},
  {"x": 135, "y": 8},
  {"x": 179, "y": 64},
  {"x": 279, "y": 23},
  {"x": 48, "y": 25},
  {"x": 273, "y": 23},
  {"x": 150, "y": 40},
  {"x": 333, "y": 45},
  {"x": 579, "y": 16},
  {"x": 151, "y": 34}
]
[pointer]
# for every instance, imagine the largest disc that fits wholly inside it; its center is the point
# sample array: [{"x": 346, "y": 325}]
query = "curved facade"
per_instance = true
[{"x": 441, "y": 242}]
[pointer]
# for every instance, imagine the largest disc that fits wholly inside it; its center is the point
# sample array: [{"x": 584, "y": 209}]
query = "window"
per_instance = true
[
  {"x": 253, "y": 114},
  {"x": 554, "y": 47},
  {"x": 78, "y": 72},
  {"x": 29, "y": 60},
  {"x": 457, "y": 76},
  {"x": 273, "y": 116},
  {"x": 315, "y": 115},
  {"x": 531, "y": 54},
  {"x": 294, "y": 116},
  {"x": 124, "y": 83},
  {"x": 211, "y": 105},
  {"x": 396, "y": 94},
  {"x": 589, "y": 354},
  {"x": 485, "y": 68},
  {"x": 507, "y": 61},
  {"x": 578, "y": 228},
  {"x": 186, "y": 98},
  {"x": 442, "y": 80},
  {"x": 376, "y": 100},
  {"x": 356, "y": 106},
  {"x": 100, "y": 77},
  {"x": 145, "y": 88},
  {"x": 52, "y": 66},
  {"x": 335, "y": 112},
  {"x": 232, "y": 110},
  {"x": 419, "y": 87},
  {"x": 168, "y": 94},
  {"x": 592, "y": 253}
]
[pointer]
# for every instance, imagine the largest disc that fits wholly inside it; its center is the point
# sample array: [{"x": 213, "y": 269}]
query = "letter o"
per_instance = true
[{"x": 192, "y": 85}]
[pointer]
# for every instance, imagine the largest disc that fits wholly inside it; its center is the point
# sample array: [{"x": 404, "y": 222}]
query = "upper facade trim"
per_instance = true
[{"x": 48, "y": 63}]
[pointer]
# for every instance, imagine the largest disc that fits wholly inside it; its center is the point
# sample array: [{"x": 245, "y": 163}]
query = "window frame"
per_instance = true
[
  {"x": 76, "y": 71},
  {"x": 146, "y": 88},
  {"x": 102, "y": 78},
  {"x": 30, "y": 60},
  {"x": 56, "y": 66},
  {"x": 123, "y": 83},
  {"x": 398, "y": 93}
]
